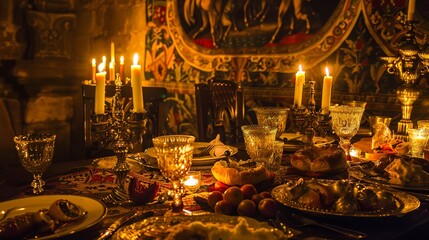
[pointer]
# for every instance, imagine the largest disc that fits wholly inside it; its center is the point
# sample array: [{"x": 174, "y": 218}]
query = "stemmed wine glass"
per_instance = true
[
  {"x": 345, "y": 123},
  {"x": 174, "y": 154},
  {"x": 35, "y": 153}
]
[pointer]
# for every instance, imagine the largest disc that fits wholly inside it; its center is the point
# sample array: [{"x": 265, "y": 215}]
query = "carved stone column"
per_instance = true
[{"x": 51, "y": 33}]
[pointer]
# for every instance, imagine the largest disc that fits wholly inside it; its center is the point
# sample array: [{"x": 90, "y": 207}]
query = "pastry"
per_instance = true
[
  {"x": 231, "y": 173},
  {"x": 319, "y": 159}
]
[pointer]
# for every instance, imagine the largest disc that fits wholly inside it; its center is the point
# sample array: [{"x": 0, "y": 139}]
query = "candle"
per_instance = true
[
  {"x": 100, "y": 85},
  {"x": 104, "y": 61},
  {"x": 192, "y": 181},
  {"x": 326, "y": 92},
  {"x": 121, "y": 69},
  {"x": 411, "y": 9},
  {"x": 111, "y": 72},
  {"x": 136, "y": 72},
  {"x": 112, "y": 53},
  {"x": 299, "y": 85},
  {"x": 93, "y": 70}
]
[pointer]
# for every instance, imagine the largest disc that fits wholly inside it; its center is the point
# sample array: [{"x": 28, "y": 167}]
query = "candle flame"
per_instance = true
[
  {"x": 111, "y": 64},
  {"x": 300, "y": 68},
  {"x": 136, "y": 59},
  {"x": 121, "y": 60},
  {"x": 101, "y": 67},
  {"x": 327, "y": 71},
  {"x": 104, "y": 59},
  {"x": 94, "y": 62}
]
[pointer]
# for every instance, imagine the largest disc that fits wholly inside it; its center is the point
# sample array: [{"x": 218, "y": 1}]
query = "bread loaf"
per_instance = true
[
  {"x": 319, "y": 159},
  {"x": 231, "y": 173}
]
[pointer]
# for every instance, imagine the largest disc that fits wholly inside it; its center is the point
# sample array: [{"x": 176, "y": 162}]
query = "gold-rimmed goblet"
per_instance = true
[
  {"x": 35, "y": 154},
  {"x": 346, "y": 123},
  {"x": 174, "y": 154}
]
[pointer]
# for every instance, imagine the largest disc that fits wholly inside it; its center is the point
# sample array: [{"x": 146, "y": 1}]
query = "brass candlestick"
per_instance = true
[
  {"x": 310, "y": 122},
  {"x": 409, "y": 65},
  {"x": 119, "y": 128}
]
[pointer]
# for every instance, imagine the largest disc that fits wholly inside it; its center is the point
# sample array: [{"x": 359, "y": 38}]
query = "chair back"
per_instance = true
[
  {"x": 220, "y": 110},
  {"x": 153, "y": 98}
]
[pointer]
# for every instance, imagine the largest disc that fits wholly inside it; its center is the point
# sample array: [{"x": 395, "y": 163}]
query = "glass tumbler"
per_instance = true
[
  {"x": 272, "y": 116},
  {"x": 418, "y": 140},
  {"x": 259, "y": 141}
]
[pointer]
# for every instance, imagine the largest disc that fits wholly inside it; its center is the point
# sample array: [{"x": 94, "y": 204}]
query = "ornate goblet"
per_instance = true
[
  {"x": 272, "y": 116},
  {"x": 345, "y": 123},
  {"x": 174, "y": 154},
  {"x": 259, "y": 141},
  {"x": 35, "y": 154}
]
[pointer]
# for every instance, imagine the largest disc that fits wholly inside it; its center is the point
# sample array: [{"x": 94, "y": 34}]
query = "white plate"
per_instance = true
[
  {"x": 158, "y": 227},
  {"x": 198, "y": 161},
  {"x": 96, "y": 211},
  {"x": 296, "y": 141}
]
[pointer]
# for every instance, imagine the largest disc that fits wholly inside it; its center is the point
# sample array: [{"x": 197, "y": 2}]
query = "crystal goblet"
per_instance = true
[
  {"x": 174, "y": 155},
  {"x": 259, "y": 141},
  {"x": 272, "y": 116},
  {"x": 345, "y": 123},
  {"x": 35, "y": 154}
]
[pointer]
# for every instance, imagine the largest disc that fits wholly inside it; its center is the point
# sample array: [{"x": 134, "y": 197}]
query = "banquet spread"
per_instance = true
[
  {"x": 325, "y": 159},
  {"x": 42, "y": 222},
  {"x": 340, "y": 196}
]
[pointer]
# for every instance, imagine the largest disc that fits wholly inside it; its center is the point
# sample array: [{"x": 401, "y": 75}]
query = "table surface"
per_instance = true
[{"x": 94, "y": 180}]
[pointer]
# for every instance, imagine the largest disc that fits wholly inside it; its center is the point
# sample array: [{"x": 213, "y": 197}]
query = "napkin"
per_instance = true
[{"x": 219, "y": 147}]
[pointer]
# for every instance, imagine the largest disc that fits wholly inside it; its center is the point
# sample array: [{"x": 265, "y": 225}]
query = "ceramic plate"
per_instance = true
[
  {"x": 198, "y": 161},
  {"x": 158, "y": 227},
  {"x": 406, "y": 203},
  {"x": 96, "y": 211},
  {"x": 295, "y": 141}
]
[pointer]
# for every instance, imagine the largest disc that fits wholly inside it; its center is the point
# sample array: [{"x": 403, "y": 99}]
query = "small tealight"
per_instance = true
[
  {"x": 355, "y": 152},
  {"x": 192, "y": 181}
]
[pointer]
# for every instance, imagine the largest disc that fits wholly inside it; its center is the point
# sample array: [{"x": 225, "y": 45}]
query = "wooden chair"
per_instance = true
[
  {"x": 220, "y": 110},
  {"x": 153, "y": 99}
]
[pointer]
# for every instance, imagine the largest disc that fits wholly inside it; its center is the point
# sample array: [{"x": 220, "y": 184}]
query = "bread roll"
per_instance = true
[
  {"x": 319, "y": 159},
  {"x": 233, "y": 174}
]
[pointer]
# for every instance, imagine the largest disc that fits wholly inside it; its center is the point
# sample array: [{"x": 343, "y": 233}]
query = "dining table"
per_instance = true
[{"x": 94, "y": 178}]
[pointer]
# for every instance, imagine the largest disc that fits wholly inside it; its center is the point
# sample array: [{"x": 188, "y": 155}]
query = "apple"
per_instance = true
[
  {"x": 268, "y": 207},
  {"x": 247, "y": 208},
  {"x": 224, "y": 207},
  {"x": 233, "y": 195},
  {"x": 213, "y": 198},
  {"x": 266, "y": 194},
  {"x": 257, "y": 198},
  {"x": 248, "y": 191}
]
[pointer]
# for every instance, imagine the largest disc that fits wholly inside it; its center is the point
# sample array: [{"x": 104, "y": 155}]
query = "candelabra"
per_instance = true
[
  {"x": 409, "y": 65},
  {"x": 119, "y": 128},
  {"x": 310, "y": 122}
]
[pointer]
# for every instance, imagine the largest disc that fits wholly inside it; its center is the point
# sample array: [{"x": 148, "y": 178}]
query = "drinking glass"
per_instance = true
[
  {"x": 418, "y": 140},
  {"x": 35, "y": 154},
  {"x": 345, "y": 123},
  {"x": 274, "y": 163},
  {"x": 174, "y": 154},
  {"x": 272, "y": 116},
  {"x": 259, "y": 141}
]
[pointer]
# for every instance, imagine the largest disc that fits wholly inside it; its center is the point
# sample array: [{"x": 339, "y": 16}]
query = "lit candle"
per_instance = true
[
  {"x": 192, "y": 181},
  {"x": 326, "y": 92},
  {"x": 93, "y": 70},
  {"x": 100, "y": 85},
  {"x": 299, "y": 86},
  {"x": 121, "y": 69},
  {"x": 104, "y": 60},
  {"x": 111, "y": 72},
  {"x": 136, "y": 72},
  {"x": 411, "y": 9}
]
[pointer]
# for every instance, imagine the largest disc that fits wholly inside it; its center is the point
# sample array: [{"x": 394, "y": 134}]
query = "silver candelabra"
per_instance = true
[
  {"x": 310, "y": 122},
  {"x": 411, "y": 62},
  {"x": 119, "y": 128}
]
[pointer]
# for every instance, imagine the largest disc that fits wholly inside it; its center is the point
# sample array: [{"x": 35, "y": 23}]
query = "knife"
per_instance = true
[{"x": 130, "y": 217}]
